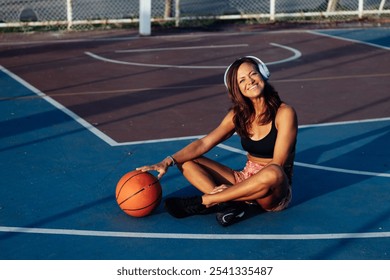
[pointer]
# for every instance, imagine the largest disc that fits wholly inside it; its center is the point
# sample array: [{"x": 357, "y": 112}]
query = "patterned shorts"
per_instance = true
[{"x": 250, "y": 169}]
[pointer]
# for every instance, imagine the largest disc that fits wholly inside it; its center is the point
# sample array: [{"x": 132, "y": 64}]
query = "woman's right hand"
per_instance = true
[{"x": 161, "y": 167}]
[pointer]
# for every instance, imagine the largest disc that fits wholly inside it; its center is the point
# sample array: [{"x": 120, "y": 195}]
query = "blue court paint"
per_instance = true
[{"x": 378, "y": 37}]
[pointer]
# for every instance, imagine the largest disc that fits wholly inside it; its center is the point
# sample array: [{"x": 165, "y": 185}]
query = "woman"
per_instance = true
[{"x": 268, "y": 131}]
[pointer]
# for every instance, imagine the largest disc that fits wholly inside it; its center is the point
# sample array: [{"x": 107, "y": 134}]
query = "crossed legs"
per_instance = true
[{"x": 268, "y": 187}]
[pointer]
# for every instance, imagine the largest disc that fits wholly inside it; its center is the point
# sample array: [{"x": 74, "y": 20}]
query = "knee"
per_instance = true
[
  {"x": 187, "y": 164},
  {"x": 273, "y": 175}
]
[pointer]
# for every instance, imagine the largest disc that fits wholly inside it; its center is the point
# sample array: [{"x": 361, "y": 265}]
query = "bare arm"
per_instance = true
[
  {"x": 287, "y": 125},
  {"x": 197, "y": 148}
]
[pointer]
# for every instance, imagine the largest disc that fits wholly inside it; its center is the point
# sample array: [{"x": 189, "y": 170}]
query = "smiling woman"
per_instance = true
[{"x": 268, "y": 131}]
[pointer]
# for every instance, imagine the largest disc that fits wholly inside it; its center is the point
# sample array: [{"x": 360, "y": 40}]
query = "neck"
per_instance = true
[{"x": 259, "y": 105}]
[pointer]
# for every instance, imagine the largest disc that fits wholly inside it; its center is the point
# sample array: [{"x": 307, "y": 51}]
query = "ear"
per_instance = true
[{"x": 262, "y": 67}]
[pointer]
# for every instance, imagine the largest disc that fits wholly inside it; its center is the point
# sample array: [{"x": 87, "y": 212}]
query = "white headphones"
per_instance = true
[{"x": 262, "y": 68}]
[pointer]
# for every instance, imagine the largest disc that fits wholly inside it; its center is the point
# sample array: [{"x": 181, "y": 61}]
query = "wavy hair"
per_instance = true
[{"x": 244, "y": 112}]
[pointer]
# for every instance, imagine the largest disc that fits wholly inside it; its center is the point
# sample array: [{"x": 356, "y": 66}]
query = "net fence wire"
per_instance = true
[{"x": 72, "y": 13}]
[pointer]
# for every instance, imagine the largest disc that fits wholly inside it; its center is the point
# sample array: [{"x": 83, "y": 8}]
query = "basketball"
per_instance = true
[{"x": 138, "y": 193}]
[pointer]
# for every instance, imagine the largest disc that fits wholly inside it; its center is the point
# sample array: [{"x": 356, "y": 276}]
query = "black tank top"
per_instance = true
[{"x": 263, "y": 148}]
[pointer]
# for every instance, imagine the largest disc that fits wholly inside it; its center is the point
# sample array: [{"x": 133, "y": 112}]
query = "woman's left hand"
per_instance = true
[{"x": 219, "y": 189}]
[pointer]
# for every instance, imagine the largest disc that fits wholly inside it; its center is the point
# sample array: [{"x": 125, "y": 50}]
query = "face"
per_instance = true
[{"x": 249, "y": 80}]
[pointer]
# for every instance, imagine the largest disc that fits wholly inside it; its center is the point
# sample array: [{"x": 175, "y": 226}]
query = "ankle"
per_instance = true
[
  {"x": 208, "y": 201},
  {"x": 204, "y": 199}
]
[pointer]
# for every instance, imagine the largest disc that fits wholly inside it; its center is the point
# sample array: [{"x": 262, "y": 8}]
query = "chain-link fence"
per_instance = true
[{"x": 72, "y": 13}]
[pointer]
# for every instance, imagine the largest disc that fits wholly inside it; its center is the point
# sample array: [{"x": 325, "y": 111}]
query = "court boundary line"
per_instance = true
[
  {"x": 316, "y": 166},
  {"x": 317, "y": 32},
  {"x": 181, "y": 48},
  {"x": 60, "y": 107},
  {"x": 111, "y": 142},
  {"x": 198, "y": 236}
]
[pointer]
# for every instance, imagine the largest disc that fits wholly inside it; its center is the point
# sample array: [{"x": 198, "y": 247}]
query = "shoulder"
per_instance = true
[
  {"x": 229, "y": 117},
  {"x": 285, "y": 110},
  {"x": 286, "y": 114}
]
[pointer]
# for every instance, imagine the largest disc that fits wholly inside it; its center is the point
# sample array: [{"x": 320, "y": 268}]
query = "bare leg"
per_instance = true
[
  {"x": 205, "y": 174},
  {"x": 267, "y": 187}
]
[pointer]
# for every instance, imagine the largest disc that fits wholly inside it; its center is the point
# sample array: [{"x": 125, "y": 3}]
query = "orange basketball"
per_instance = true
[{"x": 138, "y": 193}]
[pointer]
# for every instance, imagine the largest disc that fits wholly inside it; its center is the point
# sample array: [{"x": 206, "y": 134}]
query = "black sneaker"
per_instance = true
[
  {"x": 185, "y": 207},
  {"x": 231, "y": 214}
]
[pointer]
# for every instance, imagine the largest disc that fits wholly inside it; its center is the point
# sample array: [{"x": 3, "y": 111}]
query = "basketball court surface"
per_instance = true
[{"x": 79, "y": 111}]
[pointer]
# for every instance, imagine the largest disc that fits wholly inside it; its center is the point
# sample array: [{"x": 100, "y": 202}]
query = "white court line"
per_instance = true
[
  {"x": 316, "y": 166},
  {"x": 96, "y": 233},
  {"x": 349, "y": 40},
  {"x": 345, "y": 122},
  {"x": 296, "y": 54},
  {"x": 342, "y": 170},
  {"x": 101, "y": 58},
  {"x": 183, "y": 48},
  {"x": 63, "y": 109}
]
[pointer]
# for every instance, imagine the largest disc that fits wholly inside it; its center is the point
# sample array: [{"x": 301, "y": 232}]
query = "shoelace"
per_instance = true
[{"x": 191, "y": 206}]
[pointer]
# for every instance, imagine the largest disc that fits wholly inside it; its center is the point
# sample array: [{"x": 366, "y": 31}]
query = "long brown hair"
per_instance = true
[{"x": 244, "y": 112}]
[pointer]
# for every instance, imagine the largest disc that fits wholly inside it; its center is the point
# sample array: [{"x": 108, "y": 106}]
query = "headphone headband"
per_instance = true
[{"x": 261, "y": 65}]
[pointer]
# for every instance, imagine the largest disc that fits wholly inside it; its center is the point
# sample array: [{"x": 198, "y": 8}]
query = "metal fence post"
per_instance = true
[
  {"x": 168, "y": 9},
  {"x": 332, "y": 5},
  {"x": 69, "y": 14},
  {"x": 272, "y": 10},
  {"x": 360, "y": 9},
  {"x": 381, "y": 6},
  {"x": 177, "y": 13},
  {"x": 145, "y": 12}
]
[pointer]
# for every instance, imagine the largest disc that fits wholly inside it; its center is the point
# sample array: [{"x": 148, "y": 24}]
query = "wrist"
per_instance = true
[{"x": 171, "y": 160}]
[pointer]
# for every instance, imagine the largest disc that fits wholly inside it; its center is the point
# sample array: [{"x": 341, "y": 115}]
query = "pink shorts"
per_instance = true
[{"x": 250, "y": 169}]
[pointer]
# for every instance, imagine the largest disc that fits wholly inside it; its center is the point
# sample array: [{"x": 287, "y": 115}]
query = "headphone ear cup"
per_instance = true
[
  {"x": 225, "y": 76},
  {"x": 262, "y": 67},
  {"x": 264, "y": 71}
]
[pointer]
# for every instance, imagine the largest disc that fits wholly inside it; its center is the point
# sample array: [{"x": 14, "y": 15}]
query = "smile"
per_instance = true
[{"x": 253, "y": 87}]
